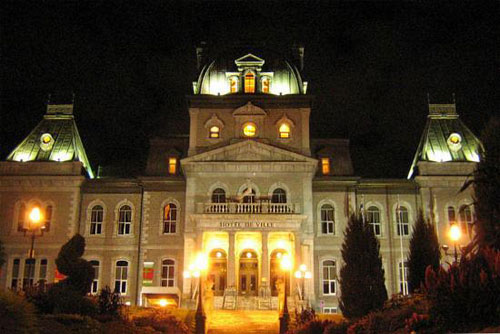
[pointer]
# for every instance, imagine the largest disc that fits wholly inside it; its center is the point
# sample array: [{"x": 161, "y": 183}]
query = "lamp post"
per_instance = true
[
  {"x": 200, "y": 265},
  {"x": 455, "y": 235},
  {"x": 35, "y": 217},
  {"x": 302, "y": 274},
  {"x": 286, "y": 265}
]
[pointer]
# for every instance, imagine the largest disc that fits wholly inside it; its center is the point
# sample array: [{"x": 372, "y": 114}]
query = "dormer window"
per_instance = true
[
  {"x": 172, "y": 165},
  {"x": 249, "y": 82},
  {"x": 233, "y": 84},
  {"x": 214, "y": 132},
  {"x": 266, "y": 83},
  {"x": 249, "y": 130},
  {"x": 284, "y": 131},
  {"x": 325, "y": 166}
]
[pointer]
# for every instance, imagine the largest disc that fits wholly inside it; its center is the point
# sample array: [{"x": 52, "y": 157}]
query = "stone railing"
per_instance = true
[{"x": 263, "y": 207}]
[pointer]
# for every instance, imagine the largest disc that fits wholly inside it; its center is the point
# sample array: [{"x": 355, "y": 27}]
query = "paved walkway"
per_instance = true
[{"x": 243, "y": 322}]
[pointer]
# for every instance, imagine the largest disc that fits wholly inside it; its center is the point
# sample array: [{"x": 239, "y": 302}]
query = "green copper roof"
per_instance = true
[
  {"x": 55, "y": 138},
  {"x": 446, "y": 138}
]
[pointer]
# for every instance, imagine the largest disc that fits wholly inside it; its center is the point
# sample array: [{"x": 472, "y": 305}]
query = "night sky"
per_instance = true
[{"x": 370, "y": 66}]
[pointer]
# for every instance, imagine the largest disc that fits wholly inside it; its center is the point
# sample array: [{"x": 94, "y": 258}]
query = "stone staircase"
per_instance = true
[{"x": 243, "y": 322}]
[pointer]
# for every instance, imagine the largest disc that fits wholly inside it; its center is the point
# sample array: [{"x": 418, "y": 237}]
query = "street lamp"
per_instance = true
[
  {"x": 35, "y": 217},
  {"x": 301, "y": 275},
  {"x": 200, "y": 265},
  {"x": 455, "y": 235},
  {"x": 286, "y": 265}
]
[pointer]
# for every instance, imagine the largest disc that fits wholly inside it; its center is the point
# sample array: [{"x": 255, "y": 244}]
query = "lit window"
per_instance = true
[
  {"x": 48, "y": 218},
  {"x": 94, "y": 287},
  {"x": 124, "y": 220},
  {"x": 214, "y": 132},
  {"x": 325, "y": 166},
  {"x": 466, "y": 219},
  {"x": 329, "y": 277},
  {"x": 265, "y": 84},
  {"x": 249, "y": 82},
  {"x": 121, "y": 276},
  {"x": 169, "y": 218},
  {"x": 167, "y": 273},
  {"x": 21, "y": 218},
  {"x": 249, "y": 130},
  {"x": 373, "y": 217},
  {"x": 219, "y": 196},
  {"x": 327, "y": 222},
  {"x": 402, "y": 221},
  {"x": 172, "y": 165},
  {"x": 96, "y": 218},
  {"x": 14, "y": 283},
  {"x": 284, "y": 131},
  {"x": 233, "y": 84},
  {"x": 403, "y": 283}
]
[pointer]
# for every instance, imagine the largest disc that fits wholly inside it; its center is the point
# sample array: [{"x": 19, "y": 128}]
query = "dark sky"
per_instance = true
[{"x": 370, "y": 66}]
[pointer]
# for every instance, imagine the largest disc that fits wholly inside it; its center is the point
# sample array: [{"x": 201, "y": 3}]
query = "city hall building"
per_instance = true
[{"x": 246, "y": 187}]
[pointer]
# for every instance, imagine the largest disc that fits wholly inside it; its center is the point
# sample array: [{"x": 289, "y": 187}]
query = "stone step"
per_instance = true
[{"x": 242, "y": 322}]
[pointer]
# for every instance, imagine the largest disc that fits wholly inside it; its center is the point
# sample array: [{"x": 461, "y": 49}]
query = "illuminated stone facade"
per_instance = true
[{"x": 248, "y": 186}]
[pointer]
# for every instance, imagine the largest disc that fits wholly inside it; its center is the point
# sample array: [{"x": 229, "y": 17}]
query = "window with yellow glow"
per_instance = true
[
  {"x": 325, "y": 166},
  {"x": 265, "y": 85},
  {"x": 172, "y": 165},
  {"x": 214, "y": 132},
  {"x": 284, "y": 131},
  {"x": 249, "y": 83},
  {"x": 233, "y": 85},
  {"x": 249, "y": 130}
]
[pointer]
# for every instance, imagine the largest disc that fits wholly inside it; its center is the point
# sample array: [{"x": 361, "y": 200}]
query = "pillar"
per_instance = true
[
  {"x": 265, "y": 258},
  {"x": 231, "y": 266}
]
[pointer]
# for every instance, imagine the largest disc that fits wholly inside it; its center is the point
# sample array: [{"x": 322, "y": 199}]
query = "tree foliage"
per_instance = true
[
  {"x": 2, "y": 255},
  {"x": 424, "y": 252},
  {"x": 69, "y": 262},
  {"x": 487, "y": 188},
  {"x": 362, "y": 282}
]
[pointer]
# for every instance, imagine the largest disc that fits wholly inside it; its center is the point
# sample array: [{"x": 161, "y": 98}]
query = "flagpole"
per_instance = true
[{"x": 403, "y": 269}]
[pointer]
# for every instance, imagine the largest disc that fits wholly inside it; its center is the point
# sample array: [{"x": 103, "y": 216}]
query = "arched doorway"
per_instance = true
[
  {"x": 248, "y": 273},
  {"x": 275, "y": 270},
  {"x": 218, "y": 270}
]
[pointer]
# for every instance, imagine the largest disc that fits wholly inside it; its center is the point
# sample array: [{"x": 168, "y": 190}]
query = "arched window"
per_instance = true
[
  {"x": 169, "y": 218},
  {"x": 284, "y": 131},
  {"x": 402, "y": 221},
  {"x": 48, "y": 218},
  {"x": 373, "y": 217},
  {"x": 266, "y": 84},
  {"x": 168, "y": 273},
  {"x": 249, "y": 196},
  {"x": 121, "y": 277},
  {"x": 21, "y": 218},
  {"x": 96, "y": 218},
  {"x": 219, "y": 196},
  {"x": 249, "y": 82},
  {"x": 279, "y": 196},
  {"x": 329, "y": 277},
  {"x": 452, "y": 218},
  {"x": 466, "y": 219},
  {"x": 124, "y": 220},
  {"x": 94, "y": 287},
  {"x": 327, "y": 222},
  {"x": 214, "y": 132}
]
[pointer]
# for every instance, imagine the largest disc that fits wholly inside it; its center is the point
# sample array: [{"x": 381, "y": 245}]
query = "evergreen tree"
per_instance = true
[
  {"x": 487, "y": 188},
  {"x": 362, "y": 283},
  {"x": 424, "y": 252},
  {"x": 2, "y": 255}
]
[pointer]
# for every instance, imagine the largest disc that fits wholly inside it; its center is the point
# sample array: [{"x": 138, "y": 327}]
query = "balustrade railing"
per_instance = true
[{"x": 262, "y": 207}]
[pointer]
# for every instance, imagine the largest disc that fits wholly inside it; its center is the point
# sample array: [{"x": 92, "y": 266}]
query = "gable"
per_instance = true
[
  {"x": 249, "y": 109},
  {"x": 249, "y": 60}
]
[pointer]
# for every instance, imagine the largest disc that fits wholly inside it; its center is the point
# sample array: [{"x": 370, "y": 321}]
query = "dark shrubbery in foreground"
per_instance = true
[{"x": 16, "y": 314}]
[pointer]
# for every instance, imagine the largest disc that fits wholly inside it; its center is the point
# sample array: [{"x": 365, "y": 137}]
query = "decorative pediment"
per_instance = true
[
  {"x": 248, "y": 150},
  {"x": 249, "y": 60},
  {"x": 214, "y": 120},
  {"x": 249, "y": 109},
  {"x": 285, "y": 119}
]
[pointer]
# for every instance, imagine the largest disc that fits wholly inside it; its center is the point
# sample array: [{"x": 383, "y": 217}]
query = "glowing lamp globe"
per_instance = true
[
  {"x": 455, "y": 233},
  {"x": 298, "y": 274},
  {"x": 35, "y": 215},
  {"x": 286, "y": 262},
  {"x": 163, "y": 302}
]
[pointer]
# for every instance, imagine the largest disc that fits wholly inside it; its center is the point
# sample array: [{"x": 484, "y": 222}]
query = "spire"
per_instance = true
[
  {"x": 55, "y": 138},
  {"x": 445, "y": 138}
]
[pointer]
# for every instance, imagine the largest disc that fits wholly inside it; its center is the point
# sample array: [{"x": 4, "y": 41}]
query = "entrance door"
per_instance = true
[
  {"x": 249, "y": 273},
  {"x": 218, "y": 271}
]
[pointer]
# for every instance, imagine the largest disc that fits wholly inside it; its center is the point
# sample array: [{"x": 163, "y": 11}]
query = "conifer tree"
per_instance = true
[
  {"x": 424, "y": 252},
  {"x": 362, "y": 283}
]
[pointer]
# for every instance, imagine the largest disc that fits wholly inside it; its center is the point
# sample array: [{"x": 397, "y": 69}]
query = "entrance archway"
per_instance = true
[
  {"x": 218, "y": 270},
  {"x": 248, "y": 273},
  {"x": 275, "y": 270}
]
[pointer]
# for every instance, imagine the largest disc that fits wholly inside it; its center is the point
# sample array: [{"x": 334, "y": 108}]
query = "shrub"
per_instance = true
[
  {"x": 305, "y": 316},
  {"x": 109, "y": 303},
  {"x": 16, "y": 314},
  {"x": 159, "y": 320},
  {"x": 67, "y": 300},
  {"x": 69, "y": 324},
  {"x": 312, "y": 327}
]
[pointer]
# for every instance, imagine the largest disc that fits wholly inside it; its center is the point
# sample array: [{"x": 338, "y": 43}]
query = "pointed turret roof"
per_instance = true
[
  {"x": 55, "y": 138},
  {"x": 445, "y": 138}
]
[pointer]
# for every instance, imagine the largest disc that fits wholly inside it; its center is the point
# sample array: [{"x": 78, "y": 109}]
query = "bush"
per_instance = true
[
  {"x": 69, "y": 324},
  {"x": 109, "y": 303},
  {"x": 67, "y": 300},
  {"x": 312, "y": 327},
  {"x": 16, "y": 314},
  {"x": 159, "y": 320}
]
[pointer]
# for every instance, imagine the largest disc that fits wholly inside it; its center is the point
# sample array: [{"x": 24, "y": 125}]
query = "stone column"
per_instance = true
[
  {"x": 265, "y": 258},
  {"x": 231, "y": 266}
]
